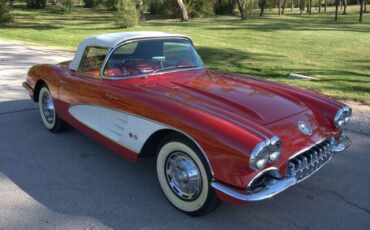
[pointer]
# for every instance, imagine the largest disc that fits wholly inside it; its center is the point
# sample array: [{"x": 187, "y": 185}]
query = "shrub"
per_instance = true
[
  {"x": 224, "y": 7},
  {"x": 36, "y": 4},
  {"x": 5, "y": 16},
  {"x": 91, "y": 3},
  {"x": 126, "y": 15},
  {"x": 199, "y": 8}
]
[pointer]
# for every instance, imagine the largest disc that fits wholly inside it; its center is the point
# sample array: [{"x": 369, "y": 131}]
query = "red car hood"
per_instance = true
[{"x": 225, "y": 96}]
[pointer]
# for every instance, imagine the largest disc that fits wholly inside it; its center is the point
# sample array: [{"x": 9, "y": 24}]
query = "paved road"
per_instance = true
[{"x": 68, "y": 181}]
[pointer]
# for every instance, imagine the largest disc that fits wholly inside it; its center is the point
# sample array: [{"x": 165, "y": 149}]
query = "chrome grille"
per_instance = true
[{"x": 308, "y": 162}]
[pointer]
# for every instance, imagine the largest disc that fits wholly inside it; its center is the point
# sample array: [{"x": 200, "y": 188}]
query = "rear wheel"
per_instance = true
[
  {"x": 184, "y": 176},
  {"x": 47, "y": 111}
]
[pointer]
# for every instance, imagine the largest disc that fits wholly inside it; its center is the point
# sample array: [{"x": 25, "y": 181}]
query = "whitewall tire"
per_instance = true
[
  {"x": 184, "y": 176},
  {"x": 47, "y": 111}
]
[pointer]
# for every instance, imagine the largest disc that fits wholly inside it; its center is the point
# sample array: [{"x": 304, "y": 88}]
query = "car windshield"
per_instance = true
[{"x": 151, "y": 56}]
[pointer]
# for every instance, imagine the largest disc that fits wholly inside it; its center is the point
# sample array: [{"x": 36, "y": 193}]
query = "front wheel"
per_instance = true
[
  {"x": 47, "y": 111},
  {"x": 184, "y": 176}
]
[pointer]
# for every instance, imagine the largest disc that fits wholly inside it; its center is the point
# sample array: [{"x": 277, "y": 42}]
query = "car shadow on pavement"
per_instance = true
[{"x": 71, "y": 175}]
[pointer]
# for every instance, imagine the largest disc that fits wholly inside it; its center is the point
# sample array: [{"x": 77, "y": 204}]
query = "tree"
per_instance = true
[
  {"x": 5, "y": 15},
  {"x": 263, "y": 5},
  {"x": 361, "y": 10},
  {"x": 283, "y": 7},
  {"x": 126, "y": 15},
  {"x": 344, "y": 3},
  {"x": 241, "y": 6},
  {"x": 336, "y": 9},
  {"x": 365, "y": 4},
  {"x": 141, "y": 8},
  {"x": 184, "y": 11},
  {"x": 326, "y": 4}
]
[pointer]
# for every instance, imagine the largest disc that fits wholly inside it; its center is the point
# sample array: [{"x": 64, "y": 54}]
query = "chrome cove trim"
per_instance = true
[
  {"x": 166, "y": 127},
  {"x": 280, "y": 185}
]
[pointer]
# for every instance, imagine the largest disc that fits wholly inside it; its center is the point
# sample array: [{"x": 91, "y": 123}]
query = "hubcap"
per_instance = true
[
  {"x": 183, "y": 176},
  {"x": 48, "y": 108}
]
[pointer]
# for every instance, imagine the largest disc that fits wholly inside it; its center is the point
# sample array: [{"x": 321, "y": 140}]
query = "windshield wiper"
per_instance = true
[{"x": 172, "y": 67}]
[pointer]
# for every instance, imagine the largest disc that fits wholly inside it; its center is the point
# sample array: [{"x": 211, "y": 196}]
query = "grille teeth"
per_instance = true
[{"x": 308, "y": 162}]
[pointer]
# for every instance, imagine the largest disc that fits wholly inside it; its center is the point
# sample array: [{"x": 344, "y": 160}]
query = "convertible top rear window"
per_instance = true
[{"x": 147, "y": 56}]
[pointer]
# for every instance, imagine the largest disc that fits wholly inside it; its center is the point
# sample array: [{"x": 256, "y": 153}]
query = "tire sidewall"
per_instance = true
[
  {"x": 186, "y": 206},
  {"x": 44, "y": 90}
]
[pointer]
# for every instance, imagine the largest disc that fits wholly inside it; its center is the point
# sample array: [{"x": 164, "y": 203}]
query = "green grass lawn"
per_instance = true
[{"x": 338, "y": 53}]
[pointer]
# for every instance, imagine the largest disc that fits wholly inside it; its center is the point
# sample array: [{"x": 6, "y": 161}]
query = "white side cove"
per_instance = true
[{"x": 123, "y": 128}]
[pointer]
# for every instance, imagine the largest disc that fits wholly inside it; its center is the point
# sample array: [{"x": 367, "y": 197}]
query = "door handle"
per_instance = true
[{"x": 110, "y": 96}]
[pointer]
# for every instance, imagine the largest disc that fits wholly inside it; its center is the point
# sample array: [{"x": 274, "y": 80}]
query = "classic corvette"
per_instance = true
[{"x": 216, "y": 137}]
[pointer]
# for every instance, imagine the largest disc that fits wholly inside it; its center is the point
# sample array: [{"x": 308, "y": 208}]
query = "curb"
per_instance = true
[{"x": 360, "y": 118}]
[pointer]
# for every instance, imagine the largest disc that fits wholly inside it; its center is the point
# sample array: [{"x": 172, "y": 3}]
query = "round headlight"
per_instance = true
[
  {"x": 275, "y": 148},
  {"x": 343, "y": 117},
  {"x": 259, "y": 157}
]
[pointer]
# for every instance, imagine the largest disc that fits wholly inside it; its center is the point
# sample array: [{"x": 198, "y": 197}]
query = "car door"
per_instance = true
[{"x": 79, "y": 91}]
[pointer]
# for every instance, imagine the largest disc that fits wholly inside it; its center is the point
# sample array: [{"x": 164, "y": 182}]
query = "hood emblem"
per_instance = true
[{"x": 305, "y": 129}]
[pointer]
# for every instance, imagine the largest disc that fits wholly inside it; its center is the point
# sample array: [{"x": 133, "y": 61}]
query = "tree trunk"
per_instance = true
[
  {"x": 319, "y": 7},
  {"x": 279, "y": 6},
  {"x": 344, "y": 3},
  {"x": 310, "y": 6},
  {"x": 292, "y": 6},
  {"x": 263, "y": 4},
  {"x": 184, "y": 11},
  {"x": 361, "y": 10},
  {"x": 365, "y": 4},
  {"x": 241, "y": 9},
  {"x": 250, "y": 8},
  {"x": 140, "y": 4},
  {"x": 283, "y": 7},
  {"x": 301, "y": 7},
  {"x": 336, "y": 9},
  {"x": 326, "y": 4}
]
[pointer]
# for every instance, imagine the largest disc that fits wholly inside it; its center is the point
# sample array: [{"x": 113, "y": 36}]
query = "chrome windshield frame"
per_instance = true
[{"x": 112, "y": 50}]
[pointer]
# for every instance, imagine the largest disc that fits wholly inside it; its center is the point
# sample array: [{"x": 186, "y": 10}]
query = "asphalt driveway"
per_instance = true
[{"x": 68, "y": 181}]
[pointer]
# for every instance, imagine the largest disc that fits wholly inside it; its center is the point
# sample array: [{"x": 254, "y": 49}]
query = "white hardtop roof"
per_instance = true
[{"x": 111, "y": 40}]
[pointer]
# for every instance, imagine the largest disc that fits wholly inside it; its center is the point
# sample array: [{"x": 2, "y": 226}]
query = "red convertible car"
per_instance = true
[{"x": 216, "y": 137}]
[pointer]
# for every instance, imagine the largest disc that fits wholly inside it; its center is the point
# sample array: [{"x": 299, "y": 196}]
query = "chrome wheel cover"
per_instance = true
[
  {"x": 47, "y": 106},
  {"x": 183, "y": 176}
]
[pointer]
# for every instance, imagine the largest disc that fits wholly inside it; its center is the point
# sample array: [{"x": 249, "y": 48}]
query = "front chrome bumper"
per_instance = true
[{"x": 293, "y": 177}]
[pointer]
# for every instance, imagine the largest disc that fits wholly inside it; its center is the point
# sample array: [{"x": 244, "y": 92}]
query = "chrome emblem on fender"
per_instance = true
[{"x": 305, "y": 129}]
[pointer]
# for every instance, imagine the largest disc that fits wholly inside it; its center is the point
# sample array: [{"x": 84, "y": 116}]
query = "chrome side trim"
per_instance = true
[
  {"x": 269, "y": 192},
  {"x": 27, "y": 87}
]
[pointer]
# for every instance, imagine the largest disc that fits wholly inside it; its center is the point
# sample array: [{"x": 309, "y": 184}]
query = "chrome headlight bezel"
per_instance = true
[
  {"x": 275, "y": 148},
  {"x": 343, "y": 116},
  {"x": 265, "y": 152}
]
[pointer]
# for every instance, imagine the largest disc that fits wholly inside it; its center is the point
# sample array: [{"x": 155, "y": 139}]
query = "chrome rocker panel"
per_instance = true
[{"x": 279, "y": 185}]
